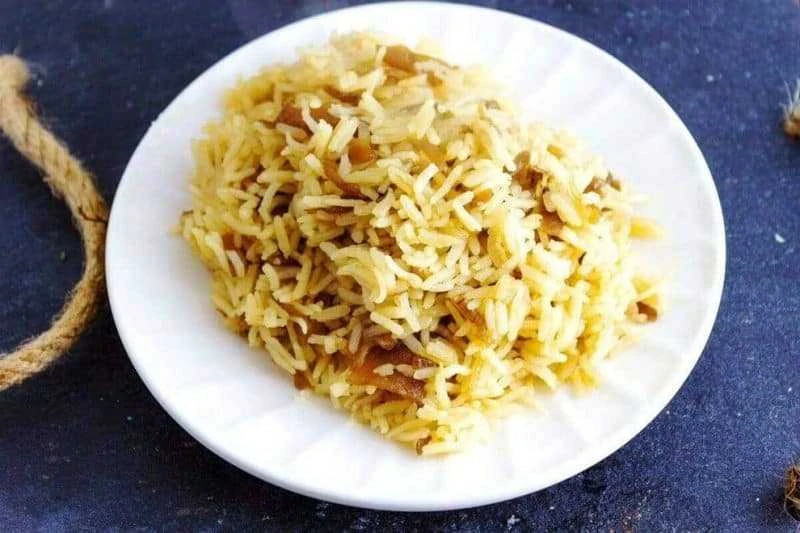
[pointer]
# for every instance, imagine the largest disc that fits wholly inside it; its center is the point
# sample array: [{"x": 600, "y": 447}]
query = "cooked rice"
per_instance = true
[{"x": 380, "y": 224}]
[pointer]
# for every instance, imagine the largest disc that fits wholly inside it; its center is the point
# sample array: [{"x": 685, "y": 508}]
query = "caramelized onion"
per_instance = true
[
  {"x": 551, "y": 223},
  {"x": 322, "y": 113},
  {"x": 396, "y": 383},
  {"x": 387, "y": 342},
  {"x": 332, "y": 173},
  {"x": 596, "y": 185},
  {"x": 420, "y": 444},
  {"x": 348, "y": 98},
  {"x": 293, "y": 116},
  {"x": 647, "y": 310},
  {"x": 301, "y": 381},
  {"x": 361, "y": 153},
  {"x": 468, "y": 314},
  {"x": 400, "y": 57},
  {"x": 526, "y": 175}
]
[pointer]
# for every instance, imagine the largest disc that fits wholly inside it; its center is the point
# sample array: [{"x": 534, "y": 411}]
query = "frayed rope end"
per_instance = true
[
  {"x": 791, "y": 112},
  {"x": 14, "y": 73}
]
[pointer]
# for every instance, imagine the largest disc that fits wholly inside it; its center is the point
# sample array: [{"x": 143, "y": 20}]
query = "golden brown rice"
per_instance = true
[{"x": 382, "y": 225}]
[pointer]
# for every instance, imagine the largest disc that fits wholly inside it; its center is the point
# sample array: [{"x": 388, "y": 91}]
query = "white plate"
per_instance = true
[{"x": 234, "y": 401}]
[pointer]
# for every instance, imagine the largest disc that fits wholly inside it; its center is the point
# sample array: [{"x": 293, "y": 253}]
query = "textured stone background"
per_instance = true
[{"x": 84, "y": 446}]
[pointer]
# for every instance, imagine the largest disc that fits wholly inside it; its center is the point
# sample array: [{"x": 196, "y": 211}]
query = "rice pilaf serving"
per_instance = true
[{"x": 384, "y": 227}]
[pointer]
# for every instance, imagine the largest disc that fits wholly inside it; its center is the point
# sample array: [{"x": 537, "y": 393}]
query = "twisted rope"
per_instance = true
[{"x": 68, "y": 180}]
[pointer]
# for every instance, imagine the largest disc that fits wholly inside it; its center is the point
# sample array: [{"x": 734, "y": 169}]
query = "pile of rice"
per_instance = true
[{"x": 380, "y": 224}]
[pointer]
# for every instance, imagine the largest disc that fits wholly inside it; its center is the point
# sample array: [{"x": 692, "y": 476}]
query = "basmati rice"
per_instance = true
[{"x": 381, "y": 225}]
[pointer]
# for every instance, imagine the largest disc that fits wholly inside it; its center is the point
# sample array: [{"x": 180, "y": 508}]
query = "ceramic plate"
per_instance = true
[{"x": 238, "y": 404}]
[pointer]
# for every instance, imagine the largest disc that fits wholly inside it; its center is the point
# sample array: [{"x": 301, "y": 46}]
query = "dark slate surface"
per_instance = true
[{"x": 85, "y": 447}]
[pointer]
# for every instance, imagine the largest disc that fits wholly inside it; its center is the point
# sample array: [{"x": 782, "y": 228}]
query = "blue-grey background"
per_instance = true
[{"x": 84, "y": 446}]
